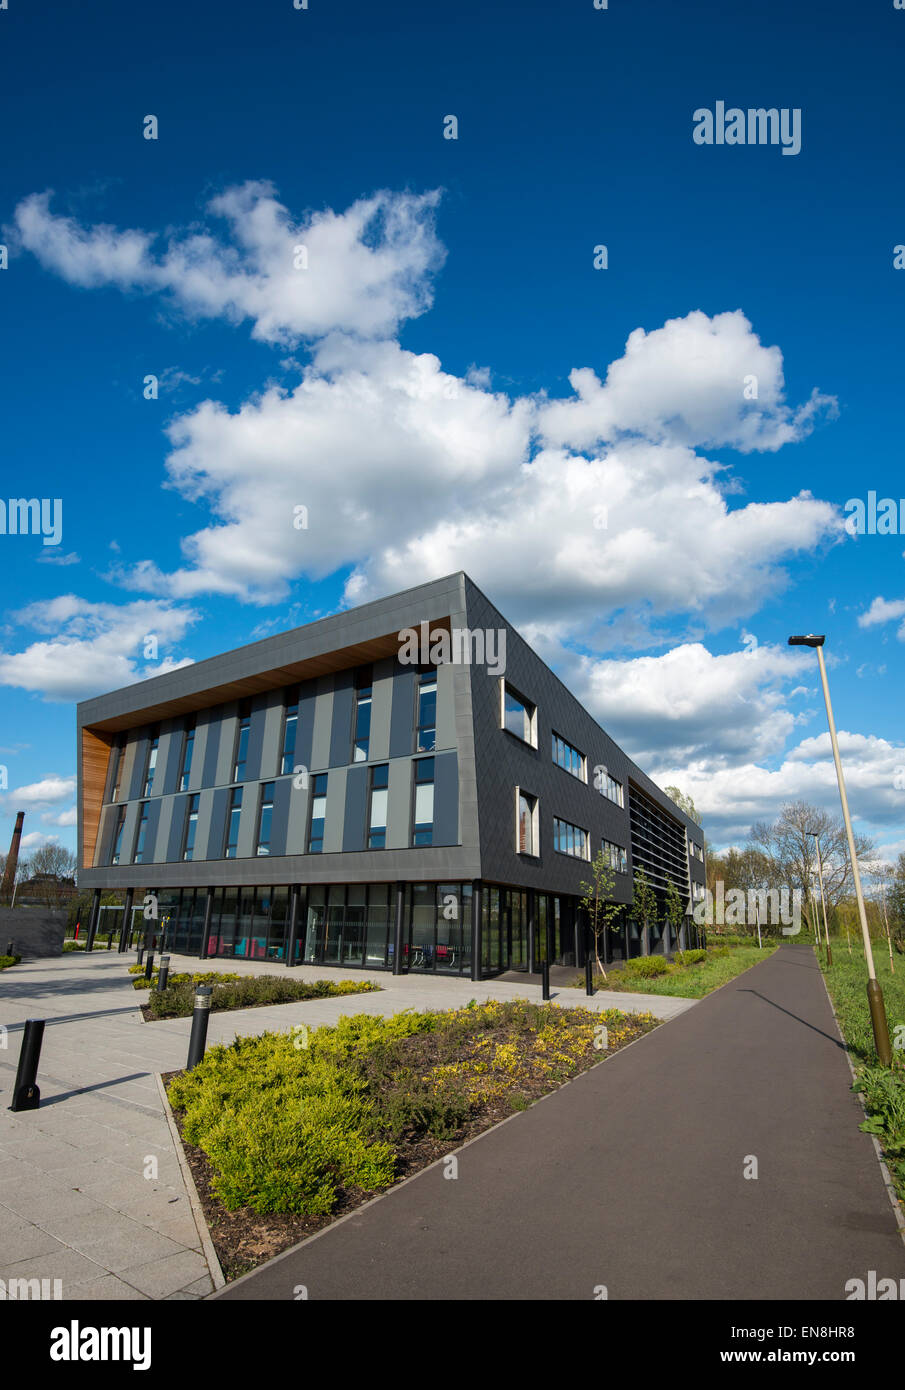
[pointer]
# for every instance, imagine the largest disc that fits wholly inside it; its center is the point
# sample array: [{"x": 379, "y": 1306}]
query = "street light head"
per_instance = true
[{"x": 808, "y": 641}]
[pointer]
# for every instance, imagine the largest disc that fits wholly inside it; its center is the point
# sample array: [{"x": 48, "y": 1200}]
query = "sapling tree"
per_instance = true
[
  {"x": 675, "y": 909},
  {"x": 644, "y": 906},
  {"x": 598, "y": 902}
]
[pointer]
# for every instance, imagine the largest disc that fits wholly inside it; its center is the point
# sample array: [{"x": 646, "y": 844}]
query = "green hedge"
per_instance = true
[
  {"x": 689, "y": 957},
  {"x": 646, "y": 967},
  {"x": 7, "y": 961},
  {"x": 247, "y": 992}
]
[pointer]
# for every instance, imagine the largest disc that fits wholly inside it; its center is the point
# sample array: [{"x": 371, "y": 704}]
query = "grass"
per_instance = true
[
  {"x": 883, "y": 1089},
  {"x": 693, "y": 981}
]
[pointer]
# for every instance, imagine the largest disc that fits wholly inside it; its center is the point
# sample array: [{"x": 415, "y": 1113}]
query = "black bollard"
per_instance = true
[
  {"x": 545, "y": 979},
  {"x": 149, "y": 965},
  {"x": 141, "y": 953},
  {"x": 200, "y": 1015},
  {"x": 9, "y": 948},
  {"x": 589, "y": 976},
  {"x": 26, "y": 1095},
  {"x": 163, "y": 972}
]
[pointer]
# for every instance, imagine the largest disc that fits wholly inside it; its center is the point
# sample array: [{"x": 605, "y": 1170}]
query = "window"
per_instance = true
[
  {"x": 242, "y": 742},
  {"x": 570, "y": 839},
  {"x": 698, "y": 892},
  {"x": 608, "y": 786},
  {"x": 569, "y": 758},
  {"x": 423, "y": 822},
  {"x": 265, "y": 818},
  {"x": 188, "y": 745},
  {"x": 695, "y": 850},
  {"x": 426, "y": 727},
  {"x": 527, "y": 839},
  {"x": 232, "y": 823},
  {"x": 615, "y": 856},
  {"x": 118, "y": 835},
  {"x": 290, "y": 724},
  {"x": 318, "y": 813},
  {"x": 141, "y": 835},
  {"x": 118, "y": 755},
  {"x": 362, "y": 739},
  {"x": 191, "y": 825},
  {"x": 151, "y": 763},
  {"x": 517, "y": 715},
  {"x": 377, "y": 812}
]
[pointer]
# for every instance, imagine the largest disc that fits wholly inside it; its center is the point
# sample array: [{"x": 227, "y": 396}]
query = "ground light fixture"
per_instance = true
[
  {"x": 874, "y": 992},
  {"x": 826, "y": 930}
]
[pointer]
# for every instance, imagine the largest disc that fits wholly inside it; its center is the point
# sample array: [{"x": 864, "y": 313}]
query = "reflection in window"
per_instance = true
[
  {"x": 318, "y": 813},
  {"x": 518, "y": 715},
  {"x": 191, "y": 825},
  {"x": 232, "y": 824},
  {"x": 377, "y": 815},
  {"x": 423, "y": 827},
  {"x": 265, "y": 818},
  {"x": 362, "y": 740},
  {"x": 138, "y": 856},
  {"x": 426, "y": 731}
]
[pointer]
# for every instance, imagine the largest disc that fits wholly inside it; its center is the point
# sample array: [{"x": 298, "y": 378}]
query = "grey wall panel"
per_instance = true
[
  {"x": 279, "y": 823},
  {"x": 341, "y": 727},
  {"x": 336, "y": 804},
  {"x": 403, "y": 712},
  {"x": 125, "y": 782},
  {"x": 176, "y": 829},
  {"x": 159, "y": 849},
  {"x": 106, "y": 828},
  {"x": 323, "y": 719},
  {"x": 173, "y": 768},
  {"x": 128, "y": 844},
  {"x": 446, "y": 799},
  {"x": 256, "y": 739},
  {"x": 304, "y": 729},
  {"x": 354, "y": 836},
  {"x": 271, "y": 754},
  {"x": 150, "y": 854},
  {"x": 297, "y": 818},
  {"x": 140, "y": 753},
  {"x": 248, "y": 820},
  {"x": 217, "y": 834},
  {"x": 111, "y": 769},
  {"x": 212, "y": 730},
  {"x": 399, "y": 804},
  {"x": 168, "y": 750},
  {"x": 203, "y": 827},
  {"x": 446, "y": 707},
  {"x": 229, "y": 726},
  {"x": 199, "y": 752},
  {"x": 381, "y": 709}
]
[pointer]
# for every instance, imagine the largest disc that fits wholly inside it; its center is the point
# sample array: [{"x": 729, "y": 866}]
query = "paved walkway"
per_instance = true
[
  {"x": 632, "y": 1177},
  {"x": 81, "y": 1199}
]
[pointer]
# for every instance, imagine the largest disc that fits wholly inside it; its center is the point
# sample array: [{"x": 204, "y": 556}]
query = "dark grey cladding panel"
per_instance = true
[
  {"x": 219, "y": 812},
  {"x": 214, "y": 720},
  {"x": 108, "y": 830},
  {"x": 446, "y": 799},
  {"x": 255, "y": 738},
  {"x": 402, "y": 713},
  {"x": 304, "y": 729},
  {"x": 174, "y": 760},
  {"x": 177, "y": 829},
  {"x": 355, "y": 809},
  {"x": 153, "y": 852},
  {"x": 279, "y": 822},
  {"x": 116, "y": 746},
  {"x": 341, "y": 728},
  {"x": 136, "y": 786}
]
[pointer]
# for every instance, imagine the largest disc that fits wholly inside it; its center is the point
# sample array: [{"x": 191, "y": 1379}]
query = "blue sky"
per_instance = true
[{"x": 405, "y": 386}]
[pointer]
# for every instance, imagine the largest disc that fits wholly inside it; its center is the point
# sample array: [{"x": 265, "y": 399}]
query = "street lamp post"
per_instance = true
[
  {"x": 826, "y": 930},
  {"x": 874, "y": 992}
]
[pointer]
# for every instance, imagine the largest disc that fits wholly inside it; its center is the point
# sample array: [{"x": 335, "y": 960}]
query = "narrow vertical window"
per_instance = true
[
  {"x": 423, "y": 823},
  {"x": 290, "y": 724},
  {"x": 318, "y": 813},
  {"x": 232, "y": 823},
  {"x": 118, "y": 835},
  {"x": 191, "y": 825},
  {"x": 527, "y": 824},
  {"x": 151, "y": 763},
  {"x": 265, "y": 818},
  {"x": 141, "y": 836},
  {"x": 426, "y": 730},
  {"x": 362, "y": 740},
  {"x": 377, "y": 811},
  {"x": 188, "y": 747},
  {"x": 242, "y": 741},
  {"x": 119, "y": 758}
]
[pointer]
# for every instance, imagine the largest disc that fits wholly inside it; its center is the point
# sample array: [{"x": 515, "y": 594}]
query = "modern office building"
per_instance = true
[{"x": 404, "y": 786}]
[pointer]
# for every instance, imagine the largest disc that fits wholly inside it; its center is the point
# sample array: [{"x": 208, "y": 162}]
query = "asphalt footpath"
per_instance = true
[{"x": 633, "y": 1178}]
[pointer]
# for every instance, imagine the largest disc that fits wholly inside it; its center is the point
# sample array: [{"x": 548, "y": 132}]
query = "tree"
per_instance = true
[
  {"x": 54, "y": 864},
  {"x": 644, "y": 907},
  {"x": 791, "y": 857},
  {"x": 684, "y": 803},
  {"x": 675, "y": 909},
  {"x": 598, "y": 904}
]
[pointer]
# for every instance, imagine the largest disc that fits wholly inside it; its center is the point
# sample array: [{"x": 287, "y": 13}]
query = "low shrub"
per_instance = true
[
  {"x": 7, "y": 961},
  {"x": 73, "y": 945},
  {"x": 646, "y": 967},
  {"x": 714, "y": 952},
  {"x": 245, "y": 992},
  {"x": 689, "y": 957}
]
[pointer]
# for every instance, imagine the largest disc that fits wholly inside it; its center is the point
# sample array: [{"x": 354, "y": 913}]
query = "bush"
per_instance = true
[
  {"x": 7, "y": 961},
  {"x": 245, "y": 992},
  {"x": 689, "y": 957},
  {"x": 646, "y": 967},
  {"x": 714, "y": 952},
  {"x": 73, "y": 945}
]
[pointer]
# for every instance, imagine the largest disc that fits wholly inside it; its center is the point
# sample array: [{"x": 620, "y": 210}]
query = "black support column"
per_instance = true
[
  {"x": 399, "y": 929},
  {"x": 92, "y": 920},
  {"x": 295, "y": 907},
  {"x": 206, "y": 928},
  {"x": 477, "y": 913},
  {"x": 124, "y": 932}
]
